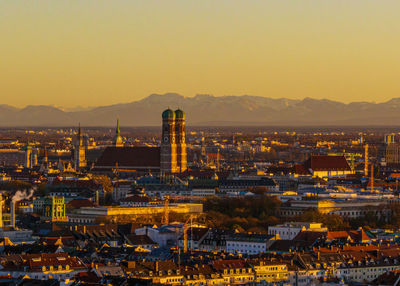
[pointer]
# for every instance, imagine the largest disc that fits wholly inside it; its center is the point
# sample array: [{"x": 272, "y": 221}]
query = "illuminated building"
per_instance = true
[{"x": 54, "y": 209}]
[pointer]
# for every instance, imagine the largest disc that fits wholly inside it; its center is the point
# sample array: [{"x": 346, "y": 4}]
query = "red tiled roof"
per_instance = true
[
  {"x": 130, "y": 157},
  {"x": 140, "y": 239},
  {"x": 300, "y": 170},
  {"x": 327, "y": 163},
  {"x": 80, "y": 203},
  {"x": 34, "y": 262},
  {"x": 355, "y": 235},
  {"x": 359, "y": 235},
  {"x": 309, "y": 236},
  {"x": 88, "y": 277},
  {"x": 337, "y": 234},
  {"x": 229, "y": 264}
]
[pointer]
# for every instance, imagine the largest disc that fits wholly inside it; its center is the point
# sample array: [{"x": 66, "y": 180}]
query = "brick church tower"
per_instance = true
[
  {"x": 79, "y": 151},
  {"x": 181, "y": 155},
  {"x": 168, "y": 158}
]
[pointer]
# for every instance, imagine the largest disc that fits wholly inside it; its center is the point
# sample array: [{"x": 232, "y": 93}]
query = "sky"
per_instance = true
[{"x": 94, "y": 52}]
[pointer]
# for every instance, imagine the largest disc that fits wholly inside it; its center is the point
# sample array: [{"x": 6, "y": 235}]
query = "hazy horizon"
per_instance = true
[
  {"x": 96, "y": 53},
  {"x": 88, "y": 107}
]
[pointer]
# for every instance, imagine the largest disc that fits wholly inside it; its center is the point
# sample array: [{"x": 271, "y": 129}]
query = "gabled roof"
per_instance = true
[
  {"x": 355, "y": 235},
  {"x": 309, "y": 236},
  {"x": 196, "y": 233},
  {"x": 140, "y": 239},
  {"x": 334, "y": 235},
  {"x": 283, "y": 245},
  {"x": 327, "y": 163},
  {"x": 130, "y": 157},
  {"x": 359, "y": 235},
  {"x": 230, "y": 264}
]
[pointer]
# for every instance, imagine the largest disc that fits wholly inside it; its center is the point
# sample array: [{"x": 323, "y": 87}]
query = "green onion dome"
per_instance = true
[
  {"x": 180, "y": 114},
  {"x": 168, "y": 114}
]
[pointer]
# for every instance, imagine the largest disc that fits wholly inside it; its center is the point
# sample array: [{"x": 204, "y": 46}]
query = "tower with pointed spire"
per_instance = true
[
  {"x": 79, "y": 151},
  {"x": 118, "y": 141},
  {"x": 44, "y": 167}
]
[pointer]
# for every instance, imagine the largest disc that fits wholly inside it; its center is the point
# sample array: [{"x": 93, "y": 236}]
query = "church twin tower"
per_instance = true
[{"x": 173, "y": 157}]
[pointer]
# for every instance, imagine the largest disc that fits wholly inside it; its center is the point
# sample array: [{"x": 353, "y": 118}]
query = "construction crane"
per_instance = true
[
  {"x": 165, "y": 218},
  {"x": 372, "y": 178},
  {"x": 366, "y": 160},
  {"x": 185, "y": 229}
]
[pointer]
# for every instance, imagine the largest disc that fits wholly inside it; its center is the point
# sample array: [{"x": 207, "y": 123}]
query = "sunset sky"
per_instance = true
[{"x": 70, "y": 53}]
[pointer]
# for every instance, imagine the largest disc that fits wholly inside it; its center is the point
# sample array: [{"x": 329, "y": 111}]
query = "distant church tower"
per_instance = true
[
  {"x": 79, "y": 151},
  {"x": 168, "y": 158},
  {"x": 180, "y": 141},
  {"x": 28, "y": 156},
  {"x": 118, "y": 141}
]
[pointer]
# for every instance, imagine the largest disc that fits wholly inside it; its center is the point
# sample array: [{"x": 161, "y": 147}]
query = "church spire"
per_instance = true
[
  {"x": 117, "y": 131},
  {"x": 118, "y": 141},
  {"x": 79, "y": 150}
]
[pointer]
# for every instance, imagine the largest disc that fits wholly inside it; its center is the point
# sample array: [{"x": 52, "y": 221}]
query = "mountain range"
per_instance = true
[{"x": 208, "y": 110}]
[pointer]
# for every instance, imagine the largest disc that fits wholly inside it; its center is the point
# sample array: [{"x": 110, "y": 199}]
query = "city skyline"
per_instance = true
[
  {"x": 226, "y": 142},
  {"x": 76, "y": 53}
]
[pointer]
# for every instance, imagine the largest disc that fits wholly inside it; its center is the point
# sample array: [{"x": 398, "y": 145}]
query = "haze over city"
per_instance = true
[{"x": 199, "y": 143}]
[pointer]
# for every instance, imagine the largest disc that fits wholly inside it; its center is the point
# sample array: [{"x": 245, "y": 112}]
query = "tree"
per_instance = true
[{"x": 104, "y": 181}]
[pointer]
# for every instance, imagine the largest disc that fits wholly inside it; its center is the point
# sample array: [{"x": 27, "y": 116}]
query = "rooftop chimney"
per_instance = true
[{"x": 12, "y": 211}]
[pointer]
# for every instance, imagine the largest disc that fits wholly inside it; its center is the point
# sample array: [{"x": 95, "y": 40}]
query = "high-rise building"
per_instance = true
[
  {"x": 391, "y": 149},
  {"x": 390, "y": 138},
  {"x": 168, "y": 157},
  {"x": 181, "y": 155},
  {"x": 79, "y": 151},
  {"x": 392, "y": 154}
]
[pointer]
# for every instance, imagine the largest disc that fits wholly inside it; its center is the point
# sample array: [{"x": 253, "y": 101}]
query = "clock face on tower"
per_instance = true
[{"x": 165, "y": 139}]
